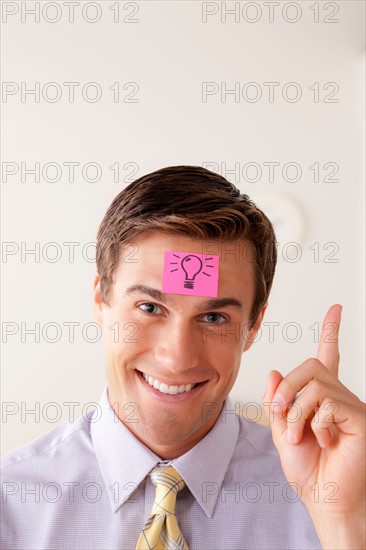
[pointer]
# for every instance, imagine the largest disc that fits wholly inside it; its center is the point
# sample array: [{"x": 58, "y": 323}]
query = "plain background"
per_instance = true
[{"x": 169, "y": 52}]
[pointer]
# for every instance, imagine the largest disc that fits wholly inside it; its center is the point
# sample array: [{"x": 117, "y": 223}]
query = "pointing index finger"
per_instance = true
[{"x": 328, "y": 350}]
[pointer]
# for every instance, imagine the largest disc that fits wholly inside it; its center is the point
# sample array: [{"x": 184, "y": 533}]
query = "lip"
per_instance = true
[{"x": 170, "y": 398}]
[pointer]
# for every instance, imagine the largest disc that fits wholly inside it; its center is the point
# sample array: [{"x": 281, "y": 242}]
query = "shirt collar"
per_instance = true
[{"x": 125, "y": 461}]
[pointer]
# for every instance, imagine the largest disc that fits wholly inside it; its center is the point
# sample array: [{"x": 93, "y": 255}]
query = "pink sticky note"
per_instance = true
[{"x": 190, "y": 273}]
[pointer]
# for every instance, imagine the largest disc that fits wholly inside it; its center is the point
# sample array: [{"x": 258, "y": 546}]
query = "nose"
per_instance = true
[{"x": 177, "y": 347}]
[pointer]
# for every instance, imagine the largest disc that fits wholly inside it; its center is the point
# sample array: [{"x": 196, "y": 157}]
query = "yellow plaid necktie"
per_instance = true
[{"x": 161, "y": 531}]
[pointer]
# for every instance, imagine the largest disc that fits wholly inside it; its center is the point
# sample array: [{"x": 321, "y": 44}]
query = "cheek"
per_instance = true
[
  {"x": 229, "y": 341},
  {"x": 119, "y": 328},
  {"x": 122, "y": 341},
  {"x": 224, "y": 357}
]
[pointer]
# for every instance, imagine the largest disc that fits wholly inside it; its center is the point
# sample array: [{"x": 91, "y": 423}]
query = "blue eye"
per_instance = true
[
  {"x": 216, "y": 315},
  {"x": 149, "y": 307},
  {"x": 152, "y": 309}
]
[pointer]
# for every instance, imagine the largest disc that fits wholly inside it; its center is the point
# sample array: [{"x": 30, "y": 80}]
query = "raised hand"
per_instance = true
[{"x": 321, "y": 440}]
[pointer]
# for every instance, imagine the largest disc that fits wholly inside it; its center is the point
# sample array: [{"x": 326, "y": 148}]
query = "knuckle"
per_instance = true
[
  {"x": 314, "y": 363},
  {"x": 295, "y": 413},
  {"x": 284, "y": 388},
  {"x": 329, "y": 401},
  {"x": 314, "y": 385},
  {"x": 314, "y": 421}
]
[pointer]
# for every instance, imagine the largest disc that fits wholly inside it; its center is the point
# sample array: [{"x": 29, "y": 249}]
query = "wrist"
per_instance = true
[{"x": 341, "y": 533}]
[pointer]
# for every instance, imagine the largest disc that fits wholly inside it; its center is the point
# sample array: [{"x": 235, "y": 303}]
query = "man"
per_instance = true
[{"x": 166, "y": 425}]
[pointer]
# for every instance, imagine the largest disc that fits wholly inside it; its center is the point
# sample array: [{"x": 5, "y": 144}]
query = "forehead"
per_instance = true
[{"x": 142, "y": 260}]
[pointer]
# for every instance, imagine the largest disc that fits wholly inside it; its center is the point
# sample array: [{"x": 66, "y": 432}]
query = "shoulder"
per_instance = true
[
  {"x": 58, "y": 444},
  {"x": 256, "y": 440},
  {"x": 255, "y": 457}
]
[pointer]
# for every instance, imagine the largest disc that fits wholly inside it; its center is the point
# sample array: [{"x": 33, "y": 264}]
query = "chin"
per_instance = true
[{"x": 166, "y": 432}]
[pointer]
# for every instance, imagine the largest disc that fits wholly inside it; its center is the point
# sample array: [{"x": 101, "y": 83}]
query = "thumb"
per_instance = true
[
  {"x": 276, "y": 417},
  {"x": 273, "y": 379}
]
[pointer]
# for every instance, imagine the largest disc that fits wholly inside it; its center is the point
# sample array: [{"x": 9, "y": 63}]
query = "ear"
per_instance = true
[
  {"x": 253, "y": 331},
  {"x": 97, "y": 301}
]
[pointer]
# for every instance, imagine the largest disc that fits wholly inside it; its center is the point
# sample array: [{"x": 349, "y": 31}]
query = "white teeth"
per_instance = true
[{"x": 164, "y": 388}]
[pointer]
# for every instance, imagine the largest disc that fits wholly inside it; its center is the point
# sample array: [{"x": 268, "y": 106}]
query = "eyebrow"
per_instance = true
[{"x": 214, "y": 303}]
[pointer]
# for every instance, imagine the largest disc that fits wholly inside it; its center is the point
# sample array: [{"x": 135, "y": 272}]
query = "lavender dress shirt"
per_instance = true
[{"x": 84, "y": 485}]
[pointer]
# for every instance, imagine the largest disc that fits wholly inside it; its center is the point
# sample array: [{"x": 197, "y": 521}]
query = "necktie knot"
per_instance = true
[
  {"x": 161, "y": 531},
  {"x": 168, "y": 483}
]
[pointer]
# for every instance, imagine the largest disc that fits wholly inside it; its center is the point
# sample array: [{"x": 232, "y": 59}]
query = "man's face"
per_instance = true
[{"x": 174, "y": 339}]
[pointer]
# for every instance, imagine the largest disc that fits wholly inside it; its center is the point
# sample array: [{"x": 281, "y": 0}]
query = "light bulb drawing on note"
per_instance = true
[
  {"x": 187, "y": 273},
  {"x": 191, "y": 266}
]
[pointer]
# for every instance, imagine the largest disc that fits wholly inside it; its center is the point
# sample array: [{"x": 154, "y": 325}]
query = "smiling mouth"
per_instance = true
[{"x": 169, "y": 389}]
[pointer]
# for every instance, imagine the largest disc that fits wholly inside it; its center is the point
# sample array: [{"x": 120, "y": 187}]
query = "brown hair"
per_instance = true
[{"x": 193, "y": 201}]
